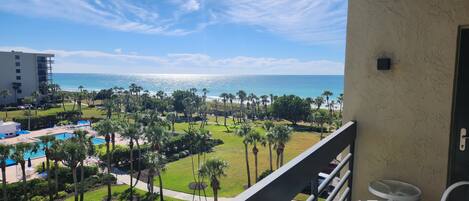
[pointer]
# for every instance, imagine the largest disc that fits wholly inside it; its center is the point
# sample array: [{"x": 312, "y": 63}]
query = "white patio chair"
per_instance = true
[{"x": 452, "y": 187}]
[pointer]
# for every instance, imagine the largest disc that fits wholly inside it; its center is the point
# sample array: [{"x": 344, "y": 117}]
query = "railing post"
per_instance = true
[
  {"x": 314, "y": 188},
  {"x": 352, "y": 151}
]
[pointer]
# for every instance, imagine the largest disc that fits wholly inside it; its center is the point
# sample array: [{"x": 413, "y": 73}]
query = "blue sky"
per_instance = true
[{"x": 180, "y": 36}]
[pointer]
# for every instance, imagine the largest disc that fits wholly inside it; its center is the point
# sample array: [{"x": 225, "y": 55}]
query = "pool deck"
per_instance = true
[
  {"x": 14, "y": 172},
  {"x": 32, "y": 137}
]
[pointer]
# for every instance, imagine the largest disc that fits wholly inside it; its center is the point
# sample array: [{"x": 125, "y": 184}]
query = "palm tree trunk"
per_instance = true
[
  {"x": 74, "y": 172},
  {"x": 109, "y": 195},
  {"x": 255, "y": 165},
  {"x": 113, "y": 140},
  {"x": 56, "y": 177},
  {"x": 247, "y": 164},
  {"x": 82, "y": 181},
  {"x": 281, "y": 159},
  {"x": 25, "y": 186},
  {"x": 4, "y": 181},
  {"x": 29, "y": 117},
  {"x": 278, "y": 158},
  {"x": 131, "y": 169},
  {"x": 270, "y": 157},
  {"x": 49, "y": 181},
  {"x": 63, "y": 105},
  {"x": 215, "y": 194},
  {"x": 138, "y": 162},
  {"x": 322, "y": 131},
  {"x": 161, "y": 185}
]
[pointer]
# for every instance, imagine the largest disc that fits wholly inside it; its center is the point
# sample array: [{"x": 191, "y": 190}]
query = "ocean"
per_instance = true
[{"x": 300, "y": 85}]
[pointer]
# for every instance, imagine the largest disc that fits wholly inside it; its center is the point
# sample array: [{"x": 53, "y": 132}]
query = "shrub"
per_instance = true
[
  {"x": 38, "y": 198},
  {"x": 61, "y": 194},
  {"x": 71, "y": 115},
  {"x": 65, "y": 173},
  {"x": 69, "y": 188},
  {"x": 16, "y": 190},
  {"x": 264, "y": 174},
  {"x": 37, "y": 122}
]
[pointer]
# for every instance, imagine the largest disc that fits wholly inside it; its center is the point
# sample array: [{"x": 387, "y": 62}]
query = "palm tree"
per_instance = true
[
  {"x": 16, "y": 86},
  {"x": 254, "y": 138},
  {"x": 242, "y": 97},
  {"x": 155, "y": 163},
  {"x": 231, "y": 97},
  {"x": 35, "y": 97},
  {"x": 56, "y": 154},
  {"x": 29, "y": 101},
  {"x": 282, "y": 135},
  {"x": 63, "y": 97},
  {"x": 264, "y": 101},
  {"x": 130, "y": 131},
  {"x": 79, "y": 97},
  {"x": 214, "y": 169},
  {"x": 157, "y": 136},
  {"x": 172, "y": 117},
  {"x": 18, "y": 155},
  {"x": 4, "y": 155},
  {"x": 215, "y": 103},
  {"x": 320, "y": 118},
  {"x": 47, "y": 140},
  {"x": 105, "y": 128},
  {"x": 224, "y": 97},
  {"x": 268, "y": 125},
  {"x": 4, "y": 94},
  {"x": 327, "y": 94},
  {"x": 243, "y": 131},
  {"x": 74, "y": 152},
  {"x": 340, "y": 101},
  {"x": 318, "y": 101},
  {"x": 83, "y": 141},
  {"x": 204, "y": 95}
]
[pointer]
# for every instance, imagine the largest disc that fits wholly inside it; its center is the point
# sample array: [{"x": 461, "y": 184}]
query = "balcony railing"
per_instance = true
[{"x": 302, "y": 172}]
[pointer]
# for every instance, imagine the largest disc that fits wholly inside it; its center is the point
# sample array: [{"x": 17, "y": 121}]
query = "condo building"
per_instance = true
[{"x": 24, "y": 73}]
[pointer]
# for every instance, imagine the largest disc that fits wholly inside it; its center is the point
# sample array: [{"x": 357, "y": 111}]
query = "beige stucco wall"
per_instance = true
[{"x": 403, "y": 114}]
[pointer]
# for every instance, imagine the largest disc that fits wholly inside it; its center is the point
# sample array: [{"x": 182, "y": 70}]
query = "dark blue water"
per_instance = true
[{"x": 301, "y": 85}]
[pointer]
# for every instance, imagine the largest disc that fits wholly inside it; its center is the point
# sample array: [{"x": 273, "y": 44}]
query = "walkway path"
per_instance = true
[{"x": 125, "y": 178}]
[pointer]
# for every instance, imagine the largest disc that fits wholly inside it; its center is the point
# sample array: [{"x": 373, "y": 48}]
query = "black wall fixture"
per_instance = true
[{"x": 384, "y": 64}]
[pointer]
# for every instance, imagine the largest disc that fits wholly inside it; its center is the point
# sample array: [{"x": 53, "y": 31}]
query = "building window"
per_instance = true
[
  {"x": 18, "y": 77},
  {"x": 19, "y": 91},
  {"x": 17, "y": 57},
  {"x": 17, "y": 63},
  {"x": 18, "y": 70}
]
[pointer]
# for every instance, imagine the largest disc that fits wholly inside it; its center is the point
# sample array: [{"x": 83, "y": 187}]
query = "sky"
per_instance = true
[{"x": 180, "y": 36}]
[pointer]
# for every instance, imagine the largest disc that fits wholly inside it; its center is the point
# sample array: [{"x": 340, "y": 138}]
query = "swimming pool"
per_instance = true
[{"x": 40, "y": 153}]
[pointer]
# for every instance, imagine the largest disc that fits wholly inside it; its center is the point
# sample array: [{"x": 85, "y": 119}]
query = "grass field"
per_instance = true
[
  {"x": 178, "y": 174},
  {"x": 87, "y": 112},
  {"x": 100, "y": 193}
]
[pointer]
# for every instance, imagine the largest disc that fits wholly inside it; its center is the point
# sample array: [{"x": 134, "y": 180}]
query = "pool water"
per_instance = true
[{"x": 40, "y": 152}]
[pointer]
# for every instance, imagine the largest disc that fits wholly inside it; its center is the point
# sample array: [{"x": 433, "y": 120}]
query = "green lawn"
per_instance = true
[
  {"x": 87, "y": 112},
  {"x": 100, "y": 193},
  {"x": 178, "y": 174}
]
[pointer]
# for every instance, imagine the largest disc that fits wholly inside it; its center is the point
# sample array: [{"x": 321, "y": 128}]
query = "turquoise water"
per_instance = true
[
  {"x": 41, "y": 153},
  {"x": 301, "y": 85}
]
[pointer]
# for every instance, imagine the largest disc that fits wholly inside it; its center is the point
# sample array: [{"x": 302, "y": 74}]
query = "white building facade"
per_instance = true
[{"x": 23, "y": 73}]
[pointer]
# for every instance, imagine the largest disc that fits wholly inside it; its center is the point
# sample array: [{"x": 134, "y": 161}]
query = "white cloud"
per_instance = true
[
  {"x": 90, "y": 61},
  {"x": 118, "y": 50},
  {"x": 191, "y": 5},
  {"x": 311, "y": 21},
  {"x": 121, "y": 15}
]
